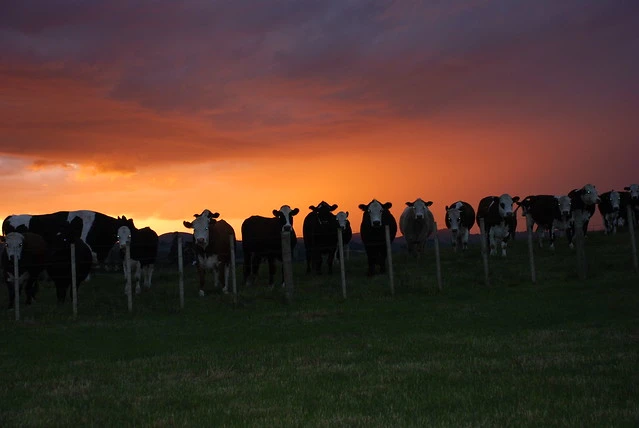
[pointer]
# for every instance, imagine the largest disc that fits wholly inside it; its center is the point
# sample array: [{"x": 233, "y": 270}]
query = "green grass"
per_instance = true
[{"x": 561, "y": 352}]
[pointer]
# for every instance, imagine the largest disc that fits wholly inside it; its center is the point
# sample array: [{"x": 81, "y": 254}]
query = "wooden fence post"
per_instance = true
[
  {"x": 582, "y": 266},
  {"x": 531, "y": 255},
  {"x": 437, "y": 260},
  {"x": 287, "y": 266},
  {"x": 631, "y": 229},
  {"x": 74, "y": 282},
  {"x": 129, "y": 287},
  {"x": 16, "y": 287},
  {"x": 484, "y": 250},
  {"x": 180, "y": 270},
  {"x": 389, "y": 256},
  {"x": 340, "y": 252}
]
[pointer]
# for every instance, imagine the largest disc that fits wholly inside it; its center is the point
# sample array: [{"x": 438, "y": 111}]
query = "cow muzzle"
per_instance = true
[
  {"x": 286, "y": 228},
  {"x": 201, "y": 242},
  {"x": 377, "y": 223}
]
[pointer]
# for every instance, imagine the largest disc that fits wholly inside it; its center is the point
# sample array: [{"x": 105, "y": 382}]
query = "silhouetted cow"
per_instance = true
[
  {"x": 500, "y": 222},
  {"x": 320, "y": 236},
  {"x": 460, "y": 218},
  {"x": 629, "y": 198},
  {"x": 143, "y": 246},
  {"x": 416, "y": 223},
  {"x": 261, "y": 237},
  {"x": 374, "y": 221},
  {"x": 609, "y": 208},
  {"x": 30, "y": 249},
  {"x": 583, "y": 202},
  {"x": 549, "y": 212}
]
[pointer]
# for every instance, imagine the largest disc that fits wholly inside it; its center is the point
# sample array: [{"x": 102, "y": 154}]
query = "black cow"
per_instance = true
[
  {"x": 500, "y": 221},
  {"x": 212, "y": 240},
  {"x": 629, "y": 198},
  {"x": 46, "y": 225},
  {"x": 30, "y": 249},
  {"x": 143, "y": 247},
  {"x": 549, "y": 212},
  {"x": 347, "y": 232},
  {"x": 583, "y": 203},
  {"x": 59, "y": 259},
  {"x": 460, "y": 218},
  {"x": 374, "y": 221},
  {"x": 261, "y": 237},
  {"x": 320, "y": 236},
  {"x": 609, "y": 207}
]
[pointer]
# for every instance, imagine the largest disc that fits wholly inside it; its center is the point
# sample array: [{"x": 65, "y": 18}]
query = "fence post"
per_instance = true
[
  {"x": 582, "y": 266},
  {"x": 340, "y": 252},
  {"x": 129, "y": 291},
  {"x": 180, "y": 270},
  {"x": 74, "y": 282},
  {"x": 631, "y": 228},
  {"x": 389, "y": 256},
  {"x": 437, "y": 260},
  {"x": 233, "y": 278},
  {"x": 16, "y": 287},
  {"x": 484, "y": 250},
  {"x": 531, "y": 255},
  {"x": 287, "y": 266}
]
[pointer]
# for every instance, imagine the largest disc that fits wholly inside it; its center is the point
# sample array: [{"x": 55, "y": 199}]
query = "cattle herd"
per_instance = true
[{"x": 43, "y": 242}]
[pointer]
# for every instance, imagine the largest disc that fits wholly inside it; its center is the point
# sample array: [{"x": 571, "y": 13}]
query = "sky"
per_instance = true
[{"x": 159, "y": 109}]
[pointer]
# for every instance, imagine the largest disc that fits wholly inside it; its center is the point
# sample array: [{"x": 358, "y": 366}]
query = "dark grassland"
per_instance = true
[{"x": 559, "y": 353}]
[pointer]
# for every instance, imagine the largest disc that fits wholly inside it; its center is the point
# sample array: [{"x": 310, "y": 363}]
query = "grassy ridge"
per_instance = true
[{"x": 562, "y": 352}]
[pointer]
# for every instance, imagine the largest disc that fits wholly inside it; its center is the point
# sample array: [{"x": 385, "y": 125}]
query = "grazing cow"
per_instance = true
[
  {"x": 320, "y": 236},
  {"x": 549, "y": 212},
  {"x": 609, "y": 205},
  {"x": 59, "y": 259},
  {"x": 374, "y": 221},
  {"x": 583, "y": 203},
  {"x": 347, "y": 233},
  {"x": 143, "y": 248},
  {"x": 460, "y": 218},
  {"x": 30, "y": 249},
  {"x": 416, "y": 224},
  {"x": 261, "y": 237},
  {"x": 499, "y": 220}
]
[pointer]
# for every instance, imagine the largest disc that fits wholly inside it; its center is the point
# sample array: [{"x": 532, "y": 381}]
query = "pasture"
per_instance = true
[{"x": 562, "y": 352}]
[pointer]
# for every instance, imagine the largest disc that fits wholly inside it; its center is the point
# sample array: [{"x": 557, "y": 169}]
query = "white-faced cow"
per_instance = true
[
  {"x": 374, "y": 221},
  {"x": 416, "y": 223},
  {"x": 320, "y": 236},
  {"x": 30, "y": 249},
  {"x": 347, "y": 232},
  {"x": 609, "y": 208},
  {"x": 212, "y": 239},
  {"x": 460, "y": 218},
  {"x": 143, "y": 248},
  {"x": 583, "y": 202},
  {"x": 549, "y": 212},
  {"x": 261, "y": 238},
  {"x": 499, "y": 220},
  {"x": 59, "y": 259}
]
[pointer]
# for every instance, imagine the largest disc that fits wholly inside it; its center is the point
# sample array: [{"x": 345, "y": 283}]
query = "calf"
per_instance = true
[
  {"x": 143, "y": 246},
  {"x": 583, "y": 202},
  {"x": 549, "y": 212},
  {"x": 374, "y": 221},
  {"x": 30, "y": 249},
  {"x": 460, "y": 218},
  {"x": 262, "y": 238},
  {"x": 347, "y": 233},
  {"x": 212, "y": 240},
  {"x": 59, "y": 259},
  {"x": 320, "y": 236},
  {"x": 416, "y": 224},
  {"x": 609, "y": 205},
  {"x": 499, "y": 220}
]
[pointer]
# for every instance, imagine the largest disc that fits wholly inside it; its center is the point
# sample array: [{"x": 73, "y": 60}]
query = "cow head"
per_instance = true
[
  {"x": 634, "y": 191},
  {"x": 342, "y": 219},
  {"x": 70, "y": 231},
  {"x": 13, "y": 242},
  {"x": 563, "y": 203},
  {"x": 419, "y": 208},
  {"x": 285, "y": 214},
  {"x": 201, "y": 226},
  {"x": 615, "y": 200},
  {"x": 323, "y": 212},
  {"x": 506, "y": 205},
  {"x": 375, "y": 210},
  {"x": 453, "y": 216},
  {"x": 589, "y": 194},
  {"x": 124, "y": 231}
]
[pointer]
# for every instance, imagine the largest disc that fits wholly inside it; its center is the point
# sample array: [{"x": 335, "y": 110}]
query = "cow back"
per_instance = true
[{"x": 220, "y": 236}]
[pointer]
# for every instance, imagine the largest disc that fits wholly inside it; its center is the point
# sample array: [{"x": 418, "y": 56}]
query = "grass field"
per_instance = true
[{"x": 562, "y": 352}]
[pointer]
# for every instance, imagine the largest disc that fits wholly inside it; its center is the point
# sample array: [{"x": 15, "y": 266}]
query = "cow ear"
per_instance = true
[
  {"x": 187, "y": 224},
  {"x": 362, "y": 207},
  {"x": 295, "y": 211},
  {"x": 516, "y": 198},
  {"x": 446, "y": 208},
  {"x": 346, "y": 214},
  {"x": 276, "y": 213},
  {"x": 429, "y": 203},
  {"x": 215, "y": 215},
  {"x": 410, "y": 204},
  {"x": 196, "y": 215},
  {"x": 387, "y": 205},
  {"x": 333, "y": 207},
  {"x": 312, "y": 207},
  {"x": 626, "y": 188}
]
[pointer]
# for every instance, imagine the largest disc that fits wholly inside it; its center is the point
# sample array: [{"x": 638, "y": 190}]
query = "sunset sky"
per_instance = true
[{"x": 158, "y": 109}]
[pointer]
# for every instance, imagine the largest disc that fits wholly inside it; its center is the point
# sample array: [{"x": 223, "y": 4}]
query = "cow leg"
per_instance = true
[
  {"x": 201, "y": 271},
  {"x": 465, "y": 234},
  {"x": 271, "y": 271},
  {"x": 540, "y": 235},
  {"x": 491, "y": 242},
  {"x": 329, "y": 261},
  {"x": 317, "y": 261},
  {"x": 138, "y": 276},
  {"x": 61, "y": 292},
  {"x": 504, "y": 245},
  {"x": 381, "y": 258},
  {"x": 226, "y": 271},
  {"x": 30, "y": 289},
  {"x": 454, "y": 239},
  {"x": 570, "y": 233},
  {"x": 247, "y": 268},
  {"x": 147, "y": 272},
  {"x": 309, "y": 259},
  {"x": 370, "y": 257}
]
